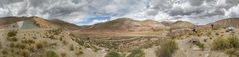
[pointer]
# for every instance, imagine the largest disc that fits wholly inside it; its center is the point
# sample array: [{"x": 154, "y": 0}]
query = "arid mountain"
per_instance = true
[
  {"x": 64, "y": 24},
  {"x": 230, "y": 22},
  {"x": 33, "y": 23},
  {"x": 118, "y": 24},
  {"x": 126, "y": 24},
  {"x": 10, "y": 20},
  {"x": 181, "y": 24},
  {"x": 224, "y": 23}
]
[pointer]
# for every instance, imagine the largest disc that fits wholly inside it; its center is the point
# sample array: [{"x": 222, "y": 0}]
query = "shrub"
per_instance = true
[
  {"x": 0, "y": 45},
  {"x": 29, "y": 41},
  {"x": 4, "y": 52},
  {"x": 234, "y": 42},
  {"x": 55, "y": 31},
  {"x": 51, "y": 54},
  {"x": 157, "y": 52},
  {"x": 79, "y": 52},
  {"x": 12, "y": 39},
  {"x": 112, "y": 54},
  {"x": 25, "y": 53},
  {"x": 12, "y": 33},
  {"x": 17, "y": 45},
  {"x": 65, "y": 42},
  {"x": 220, "y": 44},
  {"x": 232, "y": 52},
  {"x": 12, "y": 45},
  {"x": 71, "y": 47},
  {"x": 167, "y": 48},
  {"x": 63, "y": 54},
  {"x": 73, "y": 35},
  {"x": 39, "y": 45},
  {"x": 137, "y": 53},
  {"x": 21, "y": 46},
  {"x": 199, "y": 44},
  {"x": 148, "y": 45}
]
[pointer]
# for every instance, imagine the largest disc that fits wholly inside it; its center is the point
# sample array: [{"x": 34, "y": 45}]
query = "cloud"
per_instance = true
[{"x": 78, "y": 11}]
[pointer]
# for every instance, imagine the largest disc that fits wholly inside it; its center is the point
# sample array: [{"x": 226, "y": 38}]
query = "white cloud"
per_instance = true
[
  {"x": 233, "y": 12},
  {"x": 73, "y": 11}
]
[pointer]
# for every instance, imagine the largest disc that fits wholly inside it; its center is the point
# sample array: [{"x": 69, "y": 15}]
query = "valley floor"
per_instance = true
[{"x": 63, "y": 43}]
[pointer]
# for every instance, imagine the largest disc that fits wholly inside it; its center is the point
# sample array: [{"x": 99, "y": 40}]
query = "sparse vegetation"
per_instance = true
[
  {"x": 137, "y": 53},
  {"x": 167, "y": 48}
]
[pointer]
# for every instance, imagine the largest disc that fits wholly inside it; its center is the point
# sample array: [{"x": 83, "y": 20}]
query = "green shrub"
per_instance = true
[
  {"x": 137, "y": 53},
  {"x": 220, "y": 44},
  {"x": 51, "y": 54},
  {"x": 167, "y": 48},
  {"x": 112, "y": 54}
]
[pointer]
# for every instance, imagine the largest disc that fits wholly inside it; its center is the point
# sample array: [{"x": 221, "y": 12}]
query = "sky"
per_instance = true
[{"x": 88, "y": 12}]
